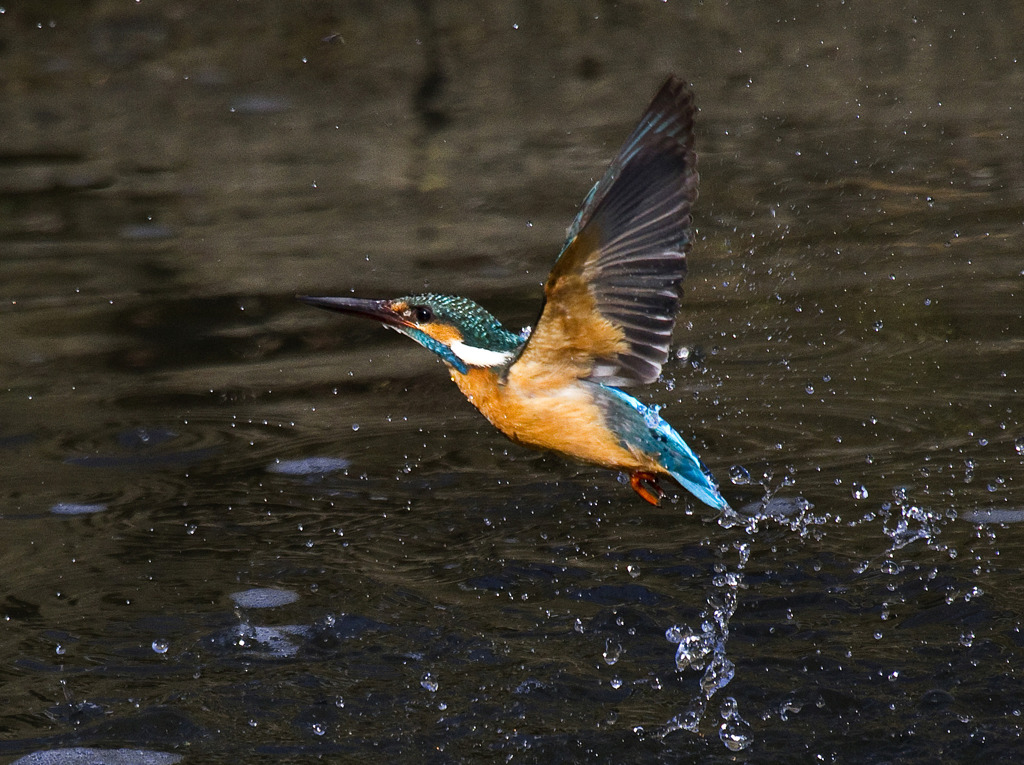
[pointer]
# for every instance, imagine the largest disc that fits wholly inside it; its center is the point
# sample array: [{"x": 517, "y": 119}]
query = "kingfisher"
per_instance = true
[{"x": 610, "y": 306}]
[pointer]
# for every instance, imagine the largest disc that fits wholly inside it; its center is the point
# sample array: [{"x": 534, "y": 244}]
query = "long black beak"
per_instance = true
[{"x": 380, "y": 310}]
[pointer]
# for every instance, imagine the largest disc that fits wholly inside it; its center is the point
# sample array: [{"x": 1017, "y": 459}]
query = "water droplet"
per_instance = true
[
  {"x": 428, "y": 683},
  {"x": 719, "y": 674},
  {"x": 740, "y": 476},
  {"x": 60, "y": 650},
  {"x": 744, "y": 550},
  {"x": 612, "y": 652},
  {"x": 651, "y": 417},
  {"x": 728, "y": 708},
  {"x": 889, "y": 566},
  {"x": 787, "y": 707},
  {"x": 160, "y": 646},
  {"x": 734, "y": 733},
  {"x": 1019, "y": 446},
  {"x": 694, "y": 648},
  {"x": 319, "y": 729},
  {"x": 355, "y": 426},
  {"x": 616, "y": 683},
  {"x": 860, "y": 491},
  {"x": 675, "y": 634}
]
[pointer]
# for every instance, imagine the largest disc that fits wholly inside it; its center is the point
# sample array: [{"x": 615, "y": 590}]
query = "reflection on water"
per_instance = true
[{"x": 236, "y": 528}]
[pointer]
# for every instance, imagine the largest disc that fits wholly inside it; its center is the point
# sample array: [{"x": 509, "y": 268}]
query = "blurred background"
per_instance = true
[{"x": 235, "y": 528}]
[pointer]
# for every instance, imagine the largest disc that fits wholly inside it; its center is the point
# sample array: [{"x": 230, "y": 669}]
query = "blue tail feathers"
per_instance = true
[{"x": 642, "y": 427}]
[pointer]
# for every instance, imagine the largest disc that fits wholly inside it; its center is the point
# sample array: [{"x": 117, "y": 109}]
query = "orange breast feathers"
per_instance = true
[{"x": 563, "y": 418}]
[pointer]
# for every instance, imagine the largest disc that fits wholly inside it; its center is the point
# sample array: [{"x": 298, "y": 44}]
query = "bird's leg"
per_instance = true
[{"x": 646, "y": 485}]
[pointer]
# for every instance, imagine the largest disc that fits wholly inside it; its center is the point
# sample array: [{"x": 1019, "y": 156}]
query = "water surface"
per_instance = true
[{"x": 239, "y": 529}]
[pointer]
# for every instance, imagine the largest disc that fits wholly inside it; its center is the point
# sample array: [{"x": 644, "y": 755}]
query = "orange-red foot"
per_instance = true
[{"x": 646, "y": 485}]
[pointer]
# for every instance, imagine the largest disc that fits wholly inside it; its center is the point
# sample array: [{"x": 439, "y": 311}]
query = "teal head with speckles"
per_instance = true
[{"x": 458, "y": 330}]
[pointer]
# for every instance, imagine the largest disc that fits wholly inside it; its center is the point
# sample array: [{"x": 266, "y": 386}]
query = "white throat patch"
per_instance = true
[{"x": 479, "y": 357}]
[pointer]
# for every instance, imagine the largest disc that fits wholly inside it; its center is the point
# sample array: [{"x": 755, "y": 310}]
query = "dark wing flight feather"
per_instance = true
[{"x": 611, "y": 299}]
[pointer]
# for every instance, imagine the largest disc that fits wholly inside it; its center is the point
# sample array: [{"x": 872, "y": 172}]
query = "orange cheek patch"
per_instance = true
[{"x": 442, "y": 333}]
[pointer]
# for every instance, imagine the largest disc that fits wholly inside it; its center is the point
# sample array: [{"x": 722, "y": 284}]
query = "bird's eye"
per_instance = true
[{"x": 422, "y": 314}]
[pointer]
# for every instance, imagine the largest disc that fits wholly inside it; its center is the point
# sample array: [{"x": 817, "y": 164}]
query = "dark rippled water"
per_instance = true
[{"x": 236, "y": 529}]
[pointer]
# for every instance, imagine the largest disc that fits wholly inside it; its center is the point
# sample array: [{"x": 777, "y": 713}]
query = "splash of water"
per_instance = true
[
  {"x": 906, "y": 522},
  {"x": 705, "y": 649}
]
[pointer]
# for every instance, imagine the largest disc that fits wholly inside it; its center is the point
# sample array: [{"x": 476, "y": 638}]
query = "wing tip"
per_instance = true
[{"x": 642, "y": 266}]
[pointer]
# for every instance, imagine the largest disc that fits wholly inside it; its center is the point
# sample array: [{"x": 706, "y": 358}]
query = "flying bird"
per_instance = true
[{"x": 610, "y": 306}]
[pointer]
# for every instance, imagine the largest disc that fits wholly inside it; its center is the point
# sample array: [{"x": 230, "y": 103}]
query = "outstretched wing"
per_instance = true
[{"x": 611, "y": 299}]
